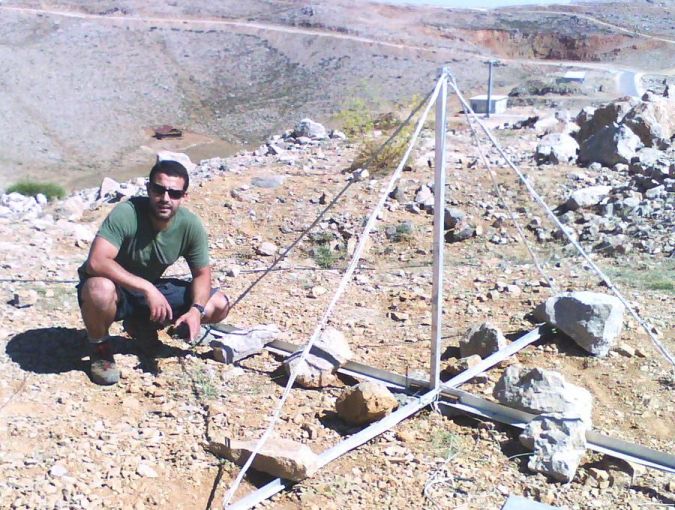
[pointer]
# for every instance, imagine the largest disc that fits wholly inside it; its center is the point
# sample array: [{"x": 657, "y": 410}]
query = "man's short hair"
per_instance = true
[{"x": 171, "y": 168}]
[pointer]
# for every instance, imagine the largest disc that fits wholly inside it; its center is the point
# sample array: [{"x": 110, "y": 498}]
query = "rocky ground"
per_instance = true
[
  {"x": 85, "y": 84},
  {"x": 65, "y": 443}
]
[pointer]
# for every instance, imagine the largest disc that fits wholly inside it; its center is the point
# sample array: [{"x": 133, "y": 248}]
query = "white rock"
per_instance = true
[
  {"x": 593, "y": 320},
  {"x": 587, "y": 197},
  {"x": 307, "y": 127},
  {"x": 231, "y": 344},
  {"x": 543, "y": 391},
  {"x": 327, "y": 355},
  {"x": 180, "y": 157},
  {"x": 279, "y": 457},
  {"x": 558, "y": 444},
  {"x": 267, "y": 249},
  {"x": 146, "y": 471}
]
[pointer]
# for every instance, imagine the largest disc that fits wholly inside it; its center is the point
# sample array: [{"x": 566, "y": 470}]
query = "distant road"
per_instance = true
[
  {"x": 604, "y": 23},
  {"x": 627, "y": 80}
]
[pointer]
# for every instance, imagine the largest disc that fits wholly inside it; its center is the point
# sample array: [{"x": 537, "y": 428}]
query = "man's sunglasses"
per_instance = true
[{"x": 174, "y": 194}]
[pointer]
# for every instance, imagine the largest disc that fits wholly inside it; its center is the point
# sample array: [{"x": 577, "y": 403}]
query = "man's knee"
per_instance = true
[
  {"x": 219, "y": 307},
  {"x": 99, "y": 291}
]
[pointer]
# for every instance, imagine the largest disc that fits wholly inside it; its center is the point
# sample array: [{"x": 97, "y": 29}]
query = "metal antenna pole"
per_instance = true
[
  {"x": 489, "y": 94},
  {"x": 439, "y": 240}
]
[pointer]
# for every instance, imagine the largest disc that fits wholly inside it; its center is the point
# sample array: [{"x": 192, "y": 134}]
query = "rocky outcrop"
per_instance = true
[
  {"x": 556, "y": 148},
  {"x": 610, "y": 145}
]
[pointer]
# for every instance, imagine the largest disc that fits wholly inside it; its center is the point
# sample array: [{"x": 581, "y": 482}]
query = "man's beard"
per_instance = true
[{"x": 162, "y": 211}]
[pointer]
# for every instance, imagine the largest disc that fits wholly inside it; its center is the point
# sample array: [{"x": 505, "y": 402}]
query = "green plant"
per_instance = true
[
  {"x": 444, "y": 443},
  {"x": 325, "y": 257},
  {"x": 355, "y": 118},
  {"x": 33, "y": 188},
  {"x": 204, "y": 383},
  {"x": 401, "y": 232}
]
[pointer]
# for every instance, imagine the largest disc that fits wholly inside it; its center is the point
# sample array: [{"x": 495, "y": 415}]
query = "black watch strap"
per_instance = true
[{"x": 200, "y": 308}]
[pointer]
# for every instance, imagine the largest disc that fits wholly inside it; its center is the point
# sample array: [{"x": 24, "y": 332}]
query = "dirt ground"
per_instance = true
[{"x": 66, "y": 443}]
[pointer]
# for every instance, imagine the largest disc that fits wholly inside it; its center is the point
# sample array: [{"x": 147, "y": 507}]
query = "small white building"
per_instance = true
[
  {"x": 497, "y": 103},
  {"x": 573, "y": 77}
]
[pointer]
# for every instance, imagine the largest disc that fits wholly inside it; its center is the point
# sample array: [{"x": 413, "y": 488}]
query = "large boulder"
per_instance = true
[
  {"x": 179, "y": 157},
  {"x": 319, "y": 368},
  {"x": 610, "y": 145},
  {"x": 587, "y": 197},
  {"x": 593, "y": 320},
  {"x": 483, "y": 340},
  {"x": 365, "y": 403},
  {"x": 536, "y": 390},
  {"x": 558, "y": 443},
  {"x": 653, "y": 121},
  {"x": 278, "y": 457},
  {"x": 310, "y": 129},
  {"x": 592, "y": 121},
  {"x": 652, "y": 164},
  {"x": 556, "y": 148}
]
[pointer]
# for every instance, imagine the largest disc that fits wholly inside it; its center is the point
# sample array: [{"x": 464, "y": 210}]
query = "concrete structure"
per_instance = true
[
  {"x": 497, "y": 103},
  {"x": 573, "y": 77}
]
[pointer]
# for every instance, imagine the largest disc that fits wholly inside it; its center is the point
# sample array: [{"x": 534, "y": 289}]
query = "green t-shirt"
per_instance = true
[{"x": 147, "y": 253}]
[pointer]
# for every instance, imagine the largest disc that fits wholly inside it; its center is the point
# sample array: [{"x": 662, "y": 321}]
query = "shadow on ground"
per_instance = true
[{"x": 58, "y": 350}]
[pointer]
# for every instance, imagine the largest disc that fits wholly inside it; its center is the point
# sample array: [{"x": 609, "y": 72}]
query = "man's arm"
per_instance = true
[
  {"x": 101, "y": 262},
  {"x": 201, "y": 292}
]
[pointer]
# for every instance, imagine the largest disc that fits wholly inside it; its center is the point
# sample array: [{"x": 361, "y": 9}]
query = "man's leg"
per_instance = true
[
  {"x": 216, "y": 309},
  {"x": 98, "y": 297}
]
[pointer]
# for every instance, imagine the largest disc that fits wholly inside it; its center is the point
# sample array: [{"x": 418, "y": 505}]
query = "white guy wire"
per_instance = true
[
  {"x": 341, "y": 288},
  {"x": 511, "y": 214},
  {"x": 660, "y": 347}
]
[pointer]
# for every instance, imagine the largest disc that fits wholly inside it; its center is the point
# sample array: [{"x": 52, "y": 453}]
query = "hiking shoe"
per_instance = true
[{"x": 103, "y": 368}]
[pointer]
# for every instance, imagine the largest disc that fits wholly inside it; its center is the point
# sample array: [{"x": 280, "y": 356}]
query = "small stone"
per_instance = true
[
  {"x": 267, "y": 249},
  {"x": 317, "y": 291},
  {"x": 23, "y": 298},
  {"x": 625, "y": 350},
  {"x": 146, "y": 471},
  {"x": 57, "y": 471},
  {"x": 233, "y": 271},
  {"x": 365, "y": 403},
  {"x": 399, "y": 316},
  {"x": 457, "y": 366},
  {"x": 483, "y": 340}
]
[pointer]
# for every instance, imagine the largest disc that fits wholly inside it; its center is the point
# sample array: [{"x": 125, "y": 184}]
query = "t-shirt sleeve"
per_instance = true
[
  {"x": 118, "y": 225},
  {"x": 197, "y": 250}
]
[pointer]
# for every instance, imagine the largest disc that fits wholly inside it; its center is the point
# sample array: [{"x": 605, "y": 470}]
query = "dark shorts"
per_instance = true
[{"x": 132, "y": 304}]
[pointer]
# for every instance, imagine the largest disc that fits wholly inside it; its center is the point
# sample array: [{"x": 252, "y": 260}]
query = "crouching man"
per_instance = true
[{"x": 121, "y": 278}]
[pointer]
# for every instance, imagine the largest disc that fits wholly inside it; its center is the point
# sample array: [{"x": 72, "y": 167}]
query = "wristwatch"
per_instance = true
[{"x": 200, "y": 308}]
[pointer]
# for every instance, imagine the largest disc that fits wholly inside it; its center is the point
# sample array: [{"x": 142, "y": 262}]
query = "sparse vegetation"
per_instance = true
[
  {"x": 325, "y": 257},
  {"x": 33, "y": 188},
  {"x": 660, "y": 277},
  {"x": 444, "y": 443},
  {"x": 205, "y": 383},
  {"x": 401, "y": 232}
]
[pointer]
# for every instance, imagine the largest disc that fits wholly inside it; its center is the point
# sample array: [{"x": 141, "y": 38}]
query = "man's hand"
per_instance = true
[
  {"x": 160, "y": 309},
  {"x": 193, "y": 320}
]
